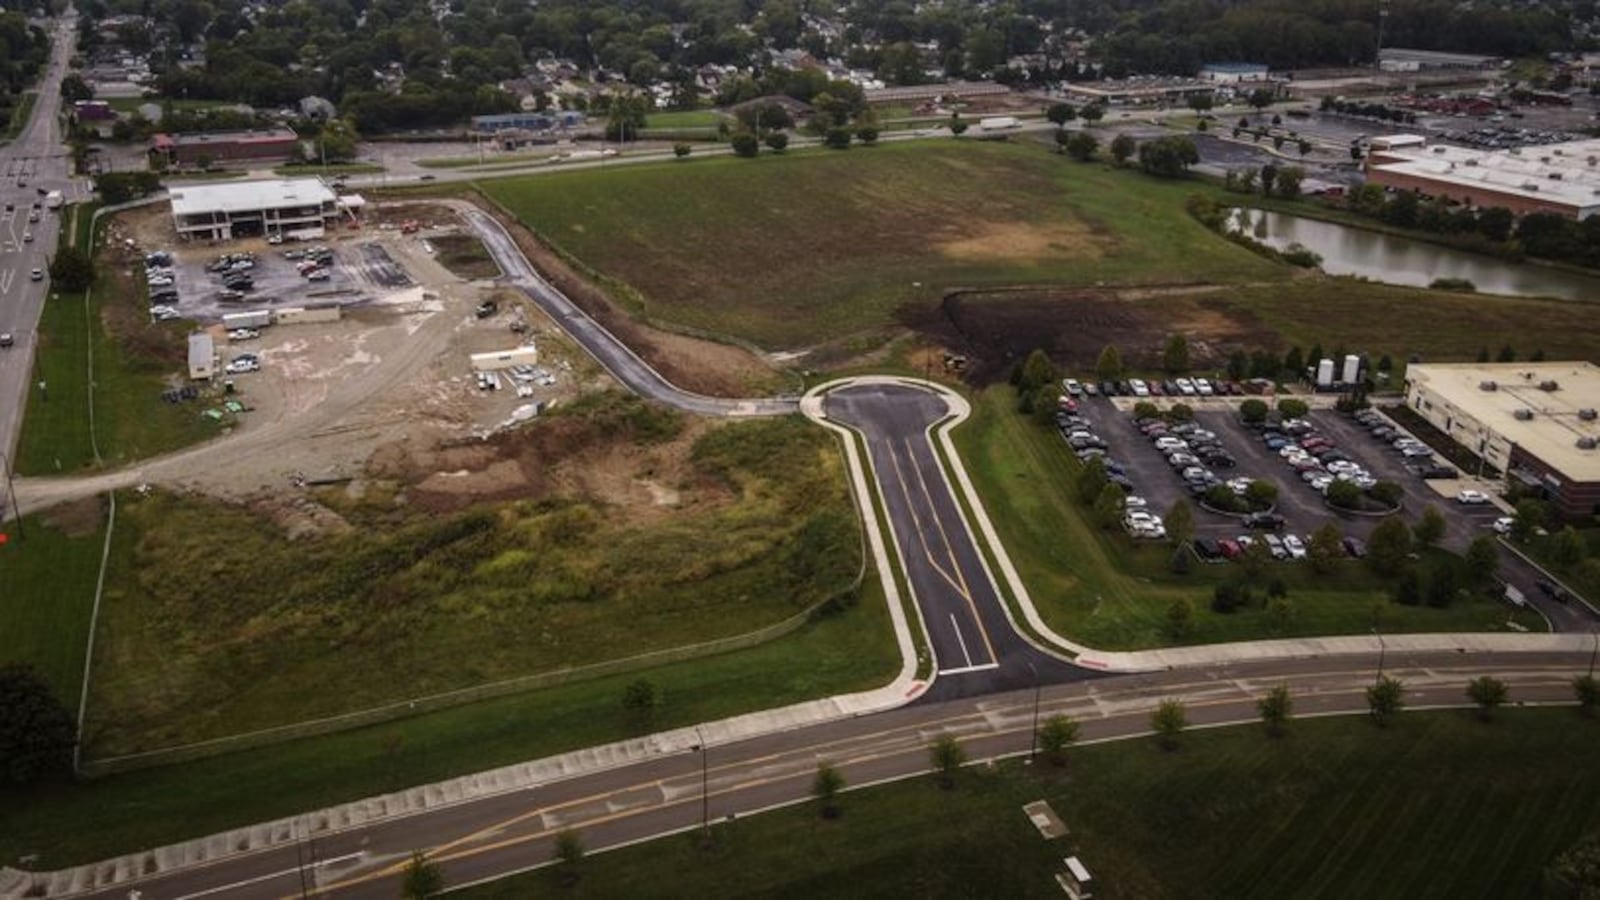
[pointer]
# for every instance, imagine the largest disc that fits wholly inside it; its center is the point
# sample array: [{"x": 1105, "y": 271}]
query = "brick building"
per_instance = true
[
  {"x": 224, "y": 148},
  {"x": 1558, "y": 178}
]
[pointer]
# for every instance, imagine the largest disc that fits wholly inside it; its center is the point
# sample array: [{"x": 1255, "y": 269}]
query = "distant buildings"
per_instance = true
[
  {"x": 528, "y": 121},
  {"x": 1138, "y": 91},
  {"x": 1559, "y": 178},
  {"x": 1396, "y": 59},
  {"x": 1233, "y": 72},
  {"x": 223, "y": 148}
]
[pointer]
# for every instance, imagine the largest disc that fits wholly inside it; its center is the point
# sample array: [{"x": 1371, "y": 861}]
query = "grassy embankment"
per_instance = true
[
  {"x": 1110, "y": 592},
  {"x": 1438, "y": 805},
  {"x": 47, "y": 579},
  {"x": 211, "y": 607},
  {"x": 134, "y": 361},
  {"x": 464, "y": 255},
  {"x": 122, "y": 813},
  {"x": 791, "y": 250},
  {"x": 19, "y": 115}
]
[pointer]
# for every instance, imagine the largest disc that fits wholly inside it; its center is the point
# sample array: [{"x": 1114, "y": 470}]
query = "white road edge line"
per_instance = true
[
  {"x": 978, "y": 668},
  {"x": 260, "y": 878},
  {"x": 961, "y": 640}
]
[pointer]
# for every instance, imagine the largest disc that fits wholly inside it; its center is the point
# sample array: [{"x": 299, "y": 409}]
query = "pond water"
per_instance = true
[{"x": 1398, "y": 260}]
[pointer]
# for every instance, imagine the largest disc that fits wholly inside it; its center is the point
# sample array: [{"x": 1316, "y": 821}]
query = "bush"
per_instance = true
[
  {"x": 837, "y": 138},
  {"x": 1293, "y": 408},
  {"x": 745, "y": 144},
  {"x": 1144, "y": 409},
  {"x": 1253, "y": 411},
  {"x": 680, "y": 150}
]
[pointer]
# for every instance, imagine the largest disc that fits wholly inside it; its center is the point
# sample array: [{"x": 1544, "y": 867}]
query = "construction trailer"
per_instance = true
[
  {"x": 202, "y": 356},
  {"x": 504, "y": 359}
]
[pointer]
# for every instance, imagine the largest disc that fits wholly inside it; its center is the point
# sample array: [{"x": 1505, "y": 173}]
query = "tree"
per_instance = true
[
  {"x": 1175, "y": 356},
  {"x": 1180, "y": 412},
  {"x": 1343, "y": 494},
  {"x": 1293, "y": 362},
  {"x": 1253, "y": 411},
  {"x": 826, "y": 786},
  {"x": 1061, "y": 113},
  {"x": 1488, "y": 692},
  {"x": 1289, "y": 180},
  {"x": 569, "y": 853},
  {"x": 1091, "y": 481},
  {"x": 1293, "y": 408},
  {"x": 837, "y": 138},
  {"x": 1109, "y": 506},
  {"x": 1567, "y": 548},
  {"x": 1180, "y": 618},
  {"x": 640, "y": 698},
  {"x": 1531, "y": 515},
  {"x": 1168, "y": 157},
  {"x": 1082, "y": 146},
  {"x": 1168, "y": 721},
  {"x": 1093, "y": 113},
  {"x": 1389, "y": 546},
  {"x": 36, "y": 731},
  {"x": 948, "y": 758},
  {"x": 422, "y": 878},
  {"x": 958, "y": 127},
  {"x": 1575, "y": 874},
  {"x": 1200, "y": 102},
  {"x": 778, "y": 141},
  {"x": 1179, "y": 522},
  {"x": 745, "y": 144},
  {"x": 1056, "y": 735},
  {"x": 1269, "y": 177},
  {"x": 1260, "y": 493},
  {"x": 1482, "y": 561},
  {"x": 1506, "y": 354},
  {"x": 1063, "y": 138},
  {"x": 680, "y": 150},
  {"x": 1385, "y": 699},
  {"x": 1586, "y": 689},
  {"x": 1261, "y": 98},
  {"x": 1109, "y": 366},
  {"x": 1389, "y": 493},
  {"x": 1430, "y": 529},
  {"x": 1122, "y": 148},
  {"x": 867, "y": 134},
  {"x": 1276, "y": 708},
  {"x": 1326, "y": 548},
  {"x": 71, "y": 270}
]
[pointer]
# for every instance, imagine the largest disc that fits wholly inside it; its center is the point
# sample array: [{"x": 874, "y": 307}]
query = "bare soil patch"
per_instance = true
[
  {"x": 76, "y": 518},
  {"x": 1021, "y": 241},
  {"x": 995, "y": 329}
]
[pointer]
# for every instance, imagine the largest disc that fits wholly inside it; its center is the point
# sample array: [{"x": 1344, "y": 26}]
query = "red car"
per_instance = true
[{"x": 1230, "y": 548}]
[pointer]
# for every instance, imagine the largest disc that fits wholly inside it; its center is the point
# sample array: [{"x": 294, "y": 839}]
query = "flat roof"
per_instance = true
[
  {"x": 249, "y": 136},
  {"x": 1553, "y": 432},
  {"x": 1568, "y": 172},
  {"x": 248, "y": 196},
  {"x": 202, "y": 351}
]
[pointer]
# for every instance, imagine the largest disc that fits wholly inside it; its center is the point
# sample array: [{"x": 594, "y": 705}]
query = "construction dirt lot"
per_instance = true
[{"x": 392, "y": 374}]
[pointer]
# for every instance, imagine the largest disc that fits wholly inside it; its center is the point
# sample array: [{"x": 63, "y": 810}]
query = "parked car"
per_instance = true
[
  {"x": 1471, "y": 497},
  {"x": 1356, "y": 547},
  {"x": 243, "y": 334},
  {"x": 1503, "y": 525},
  {"x": 6, "y": 340},
  {"x": 1295, "y": 546},
  {"x": 1264, "y": 521}
]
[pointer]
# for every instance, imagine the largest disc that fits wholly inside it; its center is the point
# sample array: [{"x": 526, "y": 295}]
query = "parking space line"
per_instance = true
[
  {"x": 966, "y": 591},
  {"x": 961, "y": 640}
]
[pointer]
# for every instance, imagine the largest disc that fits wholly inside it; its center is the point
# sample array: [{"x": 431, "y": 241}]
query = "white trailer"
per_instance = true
[
  {"x": 998, "y": 123},
  {"x": 505, "y": 359},
  {"x": 304, "y": 315},
  {"x": 255, "y": 318}
]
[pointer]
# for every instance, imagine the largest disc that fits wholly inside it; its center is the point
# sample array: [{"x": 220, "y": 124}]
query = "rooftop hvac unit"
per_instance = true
[
  {"x": 1488, "y": 386},
  {"x": 1555, "y": 176},
  {"x": 1530, "y": 186},
  {"x": 1545, "y": 160},
  {"x": 1549, "y": 386},
  {"x": 1586, "y": 443},
  {"x": 1472, "y": 162},
  {"x": 1523, "y": 415},
  {"x": 1587, "y": 415},
  {"x": 1438, "y": 149}
]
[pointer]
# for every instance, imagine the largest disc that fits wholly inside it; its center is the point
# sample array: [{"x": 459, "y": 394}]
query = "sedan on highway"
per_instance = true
[
  {"x": 36, "y": 275},
  {"x": 7, "y": 340}
]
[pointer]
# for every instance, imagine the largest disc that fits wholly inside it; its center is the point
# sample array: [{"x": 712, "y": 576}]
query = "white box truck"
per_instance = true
[
  {"x": 257, "y": 318},
  {"x": 998, "y": 123},
  {"x": 53, "y": 199}
]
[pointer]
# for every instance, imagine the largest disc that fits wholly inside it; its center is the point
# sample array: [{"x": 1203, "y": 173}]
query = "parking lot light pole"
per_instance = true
[
  {"x": 1381, "y": 649},
  {"x": 1033, "y": 746}
]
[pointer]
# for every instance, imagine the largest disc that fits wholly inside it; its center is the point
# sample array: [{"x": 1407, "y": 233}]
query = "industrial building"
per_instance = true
[
  {"x": 229, "y": 210},
  {"x": 1138, "y": 91},
  {"x": 1536, "y": 422},
  {"x": 527, "y": 121},
  {"x": 223, "y": 148},
  {"x": 1399, "y": 59},
  {"x": 1559, "y": 178},
  {"x": 1233, "y": 72}
]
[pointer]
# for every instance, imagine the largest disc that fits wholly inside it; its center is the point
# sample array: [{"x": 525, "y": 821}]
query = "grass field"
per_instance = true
[
  {"x": 849, "y": 651},
  {"x": 465, "y": 255},
  {"x": 1437, "y": 806},
  {"x": 684, "y": 118},
  {"x": 790, "y": 250},
  {"x": 211, "y": 607},
  {"x": 47, "y": 579},
  {"x": 19, "y": 115},
  {"x": 1105, "y": 591},
  {"x": 130, "y": 420}
]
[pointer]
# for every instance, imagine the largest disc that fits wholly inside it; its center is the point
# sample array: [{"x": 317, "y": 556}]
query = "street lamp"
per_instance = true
[
  {"x": 1592, "y": 653},
  {"x": 1381, "y": 650},
  {"x": 11, "y": 491},
  {"x": 705, "y": 794},
  {"x": 1033, "y": 746}
]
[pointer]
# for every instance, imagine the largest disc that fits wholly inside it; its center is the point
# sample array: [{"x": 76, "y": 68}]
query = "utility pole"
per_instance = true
[
  {"x": 10, "y": 489},
  {"x": 1033, "y": 747}
]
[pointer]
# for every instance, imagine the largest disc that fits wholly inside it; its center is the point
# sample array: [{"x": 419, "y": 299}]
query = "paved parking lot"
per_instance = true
[{"x": 356, "y": 270}]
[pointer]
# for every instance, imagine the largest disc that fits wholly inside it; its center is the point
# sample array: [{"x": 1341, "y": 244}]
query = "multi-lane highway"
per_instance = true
[{"x": 34, "y": 163}]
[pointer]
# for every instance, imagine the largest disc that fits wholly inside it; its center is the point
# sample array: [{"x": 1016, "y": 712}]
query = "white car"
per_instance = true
[
  {"x": 1503, "y": 525},
  {"x": 1295, "y": 546},
  {"x": 243, "y": 334},
  {"x": 1134, "y": 501},
  {"x": 1472, "y": 498},
  {"x": 1072, "y": 387},
  {"x": 1138, "y": 387},
  {"x": 1171, "y": 444},
  {"x": 1204, "y": 387},
  {"x": 242, "y": 365},
  {"x": 36, "y": 275}
]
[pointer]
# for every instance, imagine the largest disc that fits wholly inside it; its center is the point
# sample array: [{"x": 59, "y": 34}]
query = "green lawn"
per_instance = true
[
  {"x": 210, "y": 606},
  {"x": 131, "y": 421},
  {"x": 806, "y": 247},
  {"x": 684, "y": 118},
  {"x": 1437, "y": 806},
  {"x": 1110, "y": 593},
  {"x": 853, "y": 650},
  {"x": 47, "y": 579},
  {"x": 20, "y": 114}
]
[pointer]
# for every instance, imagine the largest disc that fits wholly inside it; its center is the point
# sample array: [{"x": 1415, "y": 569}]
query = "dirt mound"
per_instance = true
[
  {"x": 995, "y": 329},
  {"x": 300, "y": 516}
]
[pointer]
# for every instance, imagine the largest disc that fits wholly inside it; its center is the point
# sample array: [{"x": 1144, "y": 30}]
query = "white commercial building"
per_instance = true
[
  {"x": 1560, "y": 178},
  {"x": 252, "y": 208}
]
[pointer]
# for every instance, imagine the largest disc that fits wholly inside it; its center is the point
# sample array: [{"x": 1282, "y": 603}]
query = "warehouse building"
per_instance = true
[
  {"x": 528, "y": 121},
  {"x": 222, "y": 148},
  {"x": 1400, "y": 59},
  {"x": 228, "y": 210},
  {"x": 1536, "y": 422},
  {"x": 1558, "y": 178}
]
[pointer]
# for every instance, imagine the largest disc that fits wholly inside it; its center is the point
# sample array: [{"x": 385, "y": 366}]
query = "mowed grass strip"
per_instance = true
[
  {"x": 1109, "y": 592},
  {"x": 1439, "y": 805},
  {"x": 67, "y": 824},
  {"x": 792, "y": 250},
  {"x": 47, "y": 579}
]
